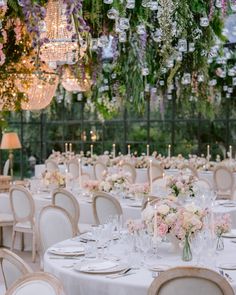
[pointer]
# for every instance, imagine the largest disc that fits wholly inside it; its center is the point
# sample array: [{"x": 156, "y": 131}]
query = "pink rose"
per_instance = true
[{"x": 162, "y": 229}]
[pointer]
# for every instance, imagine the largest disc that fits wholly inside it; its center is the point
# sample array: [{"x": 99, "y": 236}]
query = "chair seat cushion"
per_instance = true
[
  {"x": 5, "y": 218},
  {"x": 26, "y": 225}
]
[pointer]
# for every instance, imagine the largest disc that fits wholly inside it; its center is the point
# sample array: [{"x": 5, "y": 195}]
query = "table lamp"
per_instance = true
[{"x": 10, "y": 141}]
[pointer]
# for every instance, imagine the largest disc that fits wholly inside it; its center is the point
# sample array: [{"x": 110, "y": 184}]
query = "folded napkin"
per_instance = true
[
  {"x": 67, "y": 250},
  {"x": 99, "y": 266}
]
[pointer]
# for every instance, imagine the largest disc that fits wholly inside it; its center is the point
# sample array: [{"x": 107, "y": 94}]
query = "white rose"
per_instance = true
[
  {"x": 148, "y": 213},
  {"x": 163, "y": 209},
  {"x": 170, "y": 219},
  {"x": 191, "y": 208}
]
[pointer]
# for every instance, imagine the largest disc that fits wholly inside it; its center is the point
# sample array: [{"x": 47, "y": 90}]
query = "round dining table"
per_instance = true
[{"x": 70, "y": 270}]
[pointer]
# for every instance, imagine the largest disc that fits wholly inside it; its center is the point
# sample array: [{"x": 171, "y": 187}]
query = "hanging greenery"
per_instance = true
[{"x": 134, "y": 50}]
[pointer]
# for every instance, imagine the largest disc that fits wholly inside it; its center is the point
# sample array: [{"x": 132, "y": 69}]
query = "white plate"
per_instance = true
[
  {"x": 231, "y": 234},
  {"x": 138, "y": 205},
  {"x": 159, "y": 267},
  {"x": 100, "y": 267},
  {"x": 228, "y": 266},
  {"x": 67, "y": 251}
]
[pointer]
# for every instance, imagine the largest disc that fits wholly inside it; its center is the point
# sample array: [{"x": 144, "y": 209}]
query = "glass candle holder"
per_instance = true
[
  {"x": 113, "y": 13},
  {"x": 130, "y": 4},
  {"x": 204, "y": 21},
  {"x": 182, "y": 45}
]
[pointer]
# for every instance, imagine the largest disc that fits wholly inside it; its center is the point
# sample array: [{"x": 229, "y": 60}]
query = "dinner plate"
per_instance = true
[
  {"x": 67, "y": 251},
  {"x": 100, "y": 267},
  {"x": 159, "y": 267},
  {"x": 231, "y": 234},
  {"x": 228, "y": 266},
  {"x": 138, "y": 205}
]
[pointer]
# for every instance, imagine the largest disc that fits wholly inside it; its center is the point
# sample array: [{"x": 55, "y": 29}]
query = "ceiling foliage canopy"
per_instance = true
[{"x": 117, "y": 51}]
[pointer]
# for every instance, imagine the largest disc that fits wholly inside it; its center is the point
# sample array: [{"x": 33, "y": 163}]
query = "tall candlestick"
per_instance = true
[
  {"x": 128, "y": 149},
  {"x": 169, "y": 150},
  {"x": 230, "y": 151},
  {"x": 80, "y": 174},
  {"x": 148, "y": 150},
  {"x": 114, "y": 150},
  {"x": 150, "y": 175},
  {"x": 208, "y": 151},
  {"x": 91, "y": 150},
  {"x": 66, "y": 147},
  {"x": 70, "y": 147}
]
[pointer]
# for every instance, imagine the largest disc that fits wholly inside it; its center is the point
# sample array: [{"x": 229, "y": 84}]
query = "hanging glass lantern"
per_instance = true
[
  {"x": 74, "y": 84},
  {"x": 62, "y": 48}
]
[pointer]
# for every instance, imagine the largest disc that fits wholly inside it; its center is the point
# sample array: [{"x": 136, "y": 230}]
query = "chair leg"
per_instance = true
[
  {"x": 1, "y": 236},
  {"x": 34, "y": 248},
  {"x": 22, "y": 242},
  {"x": 13, "y": 239}
]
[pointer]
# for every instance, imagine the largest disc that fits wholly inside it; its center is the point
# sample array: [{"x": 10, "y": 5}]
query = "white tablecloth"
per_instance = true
[
  {"x": 43, "y": 199},
  {"x": 138, "y": 283},
  {"x": 141, "y": 173}
]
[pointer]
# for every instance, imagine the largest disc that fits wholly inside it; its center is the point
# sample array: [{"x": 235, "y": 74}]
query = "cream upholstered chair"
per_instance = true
[
  {"x": 54, "y": 226},
  {"x": 223, "y": 182},
  {"x": 159, "y": 187},
  {"x": 51, "y": 165},
  {"x": 12, "y": 266},
  {"x": 157, "y": 171},
  {"x": 6, "y": 167},
  {"x": 189, "y": 169},
  {"x": 129, "y": 168},
  {"x": 104, "y": 159},
  {"x": 99, "y": 169},
  {"x": 23, "y": 208},
  {"x": 73, "y": 168},
  {"x": 104, "y": 206},
  {"x": 66, "y": 200},
  {"x": 203, "y": 184},
  {"x": 190, "y": 280},
  {"x": 6, "y": 219},
  {"x": 38, "y": 283}
]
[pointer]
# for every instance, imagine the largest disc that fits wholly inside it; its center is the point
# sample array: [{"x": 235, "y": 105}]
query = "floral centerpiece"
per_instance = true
[
  {"x": 160, "y": 219},
  {"x": 190, "y": 220},
  {"x": 54, "y": 178},
  {"x": 181, "y": 222},
  {"x": 182, "y": 184},
  {"x": 135, "y": 226},
  {"x": 142, "y": 162},
  {"x": 61, "y": 158},
  {"x": 138, "y": 189},
  {"x": 89, "y": 159},
  {"x": 113, "y": 182},
  {"x": 222, "y": 225},
  {"x": 91, "y": 185}
]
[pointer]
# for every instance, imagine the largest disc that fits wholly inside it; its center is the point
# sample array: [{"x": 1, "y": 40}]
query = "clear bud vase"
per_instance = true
[
  {"x": 219, "y": 243},
  {"x": 187, "y": 253}
]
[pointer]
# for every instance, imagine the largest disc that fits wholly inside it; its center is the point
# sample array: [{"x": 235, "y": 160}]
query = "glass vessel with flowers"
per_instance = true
[{"x": 222, "y": 226}]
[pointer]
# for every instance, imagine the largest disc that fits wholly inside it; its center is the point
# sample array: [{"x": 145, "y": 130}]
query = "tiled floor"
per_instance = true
[{"x": 27, "y": 258}]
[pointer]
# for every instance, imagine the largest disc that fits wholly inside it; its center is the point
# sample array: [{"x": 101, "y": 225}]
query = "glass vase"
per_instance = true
[
  {"x": 187, "y": 253},
  {"x": 219, "y": 243}
]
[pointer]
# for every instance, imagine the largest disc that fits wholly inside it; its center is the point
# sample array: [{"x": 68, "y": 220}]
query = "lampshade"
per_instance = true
[{"x": 10, "y": 141}]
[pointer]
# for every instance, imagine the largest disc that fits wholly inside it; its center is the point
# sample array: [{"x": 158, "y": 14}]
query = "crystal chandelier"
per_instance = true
[
  {"x": 61, "y": 48},
  {"x": 73, "y": 84},
  {"x": 39, "y": 87}
]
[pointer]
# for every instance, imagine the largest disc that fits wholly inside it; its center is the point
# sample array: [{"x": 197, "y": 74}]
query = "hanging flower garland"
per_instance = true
[{"x": 135, "y": 50}]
